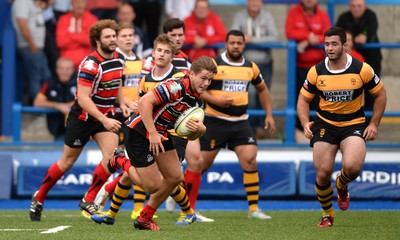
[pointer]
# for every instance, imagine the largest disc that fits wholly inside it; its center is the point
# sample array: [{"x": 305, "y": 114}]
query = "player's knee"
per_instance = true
[
  {"x": 175, "y": 180},
  {"x": 151, "y": 187},
  {"x": 324, "y": 175},
  {"x": 66, "y": 163}
]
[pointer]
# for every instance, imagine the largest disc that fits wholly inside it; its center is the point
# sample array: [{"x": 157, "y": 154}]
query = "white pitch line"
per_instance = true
[
  {"x": 19, "y": 229},
  {"x": 56, "y": 229}
]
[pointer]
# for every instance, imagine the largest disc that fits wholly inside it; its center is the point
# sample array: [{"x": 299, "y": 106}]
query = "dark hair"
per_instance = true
[
  {"x": 172, "y": 24},
  {"x": 203, "y": 63},
  {"x": 336, "y": 31},
  {"x": 97, "y": 28},
  {"x": 234, "y": 32}
]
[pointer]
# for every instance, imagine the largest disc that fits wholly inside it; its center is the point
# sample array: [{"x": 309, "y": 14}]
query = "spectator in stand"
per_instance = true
[
  {"x": 61, "y": 7},
  {"x": 58, "y": 93},
  {"x": 30, "y": 30},
  {"x": 349, "y": 47},
  {"x": 363, "y": 24},
  {"x": 203, "y": 27},
  {"x": 258, "y": 25},
  {"x": 306, "y": 24},
  {"x": 148, "y": 15},
  {"x": 142, "y": 48},
  {"x": 50, "y": 48},
  {"x": 179, "y": 8},
  {"x": 72, "y": 32},
  {"x": 103, "y": 9}
]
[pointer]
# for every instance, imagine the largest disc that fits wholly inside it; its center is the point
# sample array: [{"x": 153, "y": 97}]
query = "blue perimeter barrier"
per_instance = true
[{"x": 13, "y": 125}]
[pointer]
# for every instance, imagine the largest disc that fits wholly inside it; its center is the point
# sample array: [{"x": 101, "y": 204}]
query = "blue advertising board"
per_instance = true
[
  {"x": 73, "y": 184},
  {"x": 376, "y": 180},
  {"x": 223, "y": 179},
  {"x": 6, "y": 175},
  {"x": 226, "y": 179}
]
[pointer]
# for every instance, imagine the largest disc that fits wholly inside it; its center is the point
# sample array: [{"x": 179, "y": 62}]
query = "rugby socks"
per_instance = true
[
  {"x": 120, "y": 194},
  {"x": 343, "y": 180},
  {"x": 139, "y": 196},
  {"x": 252, "y": 186},
  {"x": 53, "y": 174},
  {"x": 192, "y": 186},
  {"x": 100, "y": 176},
  {"x": 325, "y": 196},
  {"x": 181, "y": 198},
  {"x": 146, "y": 213}
]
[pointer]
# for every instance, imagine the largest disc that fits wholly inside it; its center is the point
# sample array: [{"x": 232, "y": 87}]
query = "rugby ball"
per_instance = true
[{"x": 190, "y": 113}]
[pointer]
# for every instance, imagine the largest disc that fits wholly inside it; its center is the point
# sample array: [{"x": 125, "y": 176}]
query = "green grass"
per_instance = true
[{"x": 228, "y": 225}]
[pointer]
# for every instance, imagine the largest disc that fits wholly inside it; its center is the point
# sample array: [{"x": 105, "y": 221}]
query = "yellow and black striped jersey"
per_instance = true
[
  {"x": 131, "y": 76},
  {"x": 340, "y": 91},
  {"x": 149, "y": 82},
  {"x": 233, "y": 80}
]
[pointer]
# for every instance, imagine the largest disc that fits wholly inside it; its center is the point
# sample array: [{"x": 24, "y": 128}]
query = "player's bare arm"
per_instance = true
[
  {"x": 146, "y": 105},
  {"x": 265, "y": 99},
  {"x": 371, "y": 131},
  {"x": 121, "y": 100},
  {"x": 222, "y": 101},
  {"x": 303, "y": 111}
]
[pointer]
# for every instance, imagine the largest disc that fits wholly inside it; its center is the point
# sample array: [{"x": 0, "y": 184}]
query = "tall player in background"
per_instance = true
[
  {"x": 130, "y": 90},
  {"x": 226, "y": 118},
  {"x": 99, "y": 82}
]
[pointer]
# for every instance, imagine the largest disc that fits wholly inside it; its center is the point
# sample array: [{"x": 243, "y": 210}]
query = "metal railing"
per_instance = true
[
  {"x": 12, "y": 125},
  {"x": 289, "y": 113}
]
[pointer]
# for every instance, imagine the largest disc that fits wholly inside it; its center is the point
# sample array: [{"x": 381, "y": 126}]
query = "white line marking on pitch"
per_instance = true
[
  {"x": 19, "y": 229},
  {"x": 56, "y": 229}
]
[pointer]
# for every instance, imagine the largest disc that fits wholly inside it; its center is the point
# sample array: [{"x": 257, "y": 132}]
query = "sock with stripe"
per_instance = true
[
  {"x": 182, "y": 200},
  {"x": 139, "y": 196},
  {"x": 252, "y": 186},
  {"x": 120, "y": 194},
  {"x": 100, "y": 176},
  {"x": 325, "y": 196},
  {"x": 192, "y": 186},
  {"x": 343, "y": 180},
  {"x": 53, "y": 174}
]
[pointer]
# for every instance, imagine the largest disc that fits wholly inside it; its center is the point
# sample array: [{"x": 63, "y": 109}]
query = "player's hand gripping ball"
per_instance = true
[{"x": 195, "y": 113}]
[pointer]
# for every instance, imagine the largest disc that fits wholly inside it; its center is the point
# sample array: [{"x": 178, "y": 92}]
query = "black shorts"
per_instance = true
[
  {"x": 180, "y": 146},
  {"x": 122, "y": 131},
  {"x": 137, "y": 147},
  {"x": 221, "y": 133},
  {"x": 78, "y": 132},
  {"x": 327, "y": 133}
]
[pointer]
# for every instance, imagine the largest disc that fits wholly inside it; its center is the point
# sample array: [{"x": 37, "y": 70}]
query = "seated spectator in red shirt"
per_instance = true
[
  {"x": 349, "y": 47},
  {"x": 72, "y": 32},
  {"x": 203, "y": 27}
]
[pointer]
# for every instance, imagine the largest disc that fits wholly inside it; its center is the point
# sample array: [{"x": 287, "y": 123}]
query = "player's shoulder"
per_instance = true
[{"x": 182, "y": 54}]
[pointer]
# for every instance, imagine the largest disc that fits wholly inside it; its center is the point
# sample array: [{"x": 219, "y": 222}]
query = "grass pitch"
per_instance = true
[{"x": 15, "y": 224}]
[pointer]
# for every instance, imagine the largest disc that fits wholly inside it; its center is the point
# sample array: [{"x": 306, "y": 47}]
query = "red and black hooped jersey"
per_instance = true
[
  {"x": 174, "y": 97},
  {"x": 340, "y": 92},
  {"x": 180, "y": 61},
  {"x": 104, "y": 77}
]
